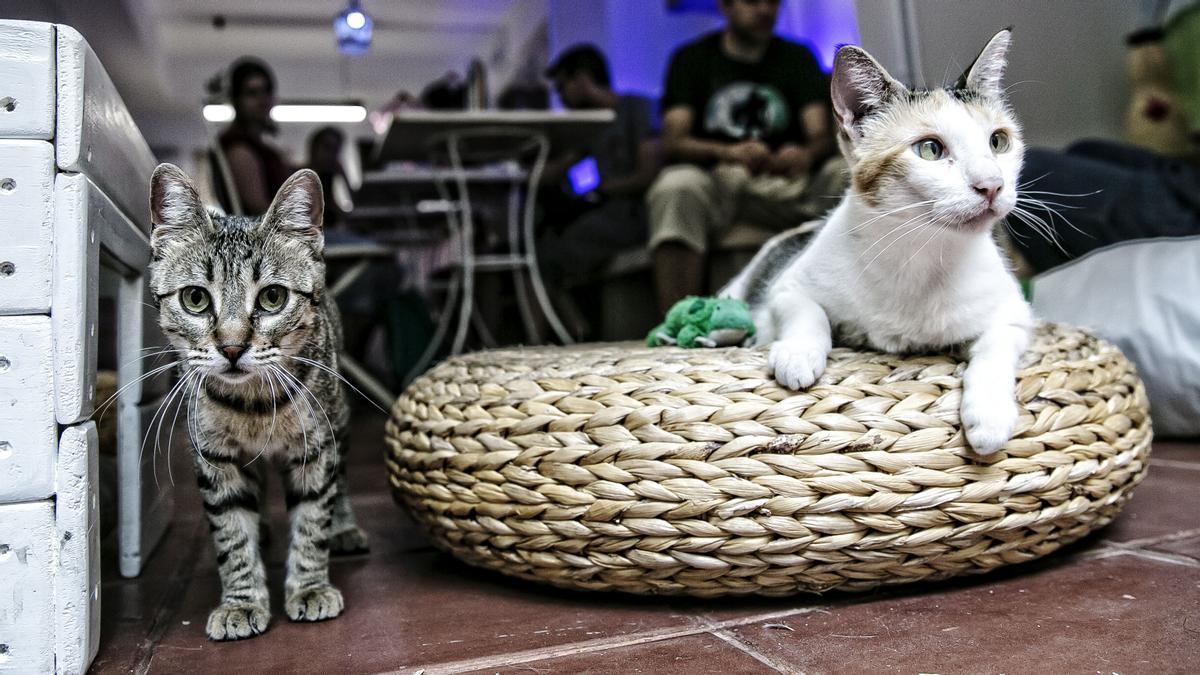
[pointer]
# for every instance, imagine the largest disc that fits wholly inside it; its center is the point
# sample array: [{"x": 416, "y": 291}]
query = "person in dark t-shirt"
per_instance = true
[{"x": 745, "y": 127}]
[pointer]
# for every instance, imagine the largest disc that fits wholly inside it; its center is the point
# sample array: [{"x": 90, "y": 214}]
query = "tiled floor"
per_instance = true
[{"x": 1125, "y": 601}]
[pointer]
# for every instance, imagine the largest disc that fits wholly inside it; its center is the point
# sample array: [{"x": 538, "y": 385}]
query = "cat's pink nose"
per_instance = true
[
  {"x": 988, "y": 189},
  {"x": 233, "y": 352}
]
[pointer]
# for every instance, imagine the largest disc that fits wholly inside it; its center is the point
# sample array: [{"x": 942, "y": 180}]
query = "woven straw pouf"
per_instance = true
[{"x": 691, "y": 471}]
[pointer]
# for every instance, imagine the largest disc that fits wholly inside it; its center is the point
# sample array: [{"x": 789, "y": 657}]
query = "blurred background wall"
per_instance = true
[{"x": 1067, "y": 71}]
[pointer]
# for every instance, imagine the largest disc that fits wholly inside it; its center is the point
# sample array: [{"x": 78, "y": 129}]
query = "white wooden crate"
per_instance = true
[
  {"x": 95, "y": 134},
  {"x": 27, "y": 67},
  {"x": 26, "y": 221},
  {"x": 28, "y": 537},
  {"x": 27, "y": 430}
]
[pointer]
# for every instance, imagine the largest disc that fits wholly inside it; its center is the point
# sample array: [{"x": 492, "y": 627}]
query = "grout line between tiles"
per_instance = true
[
  {"x": 1175, "y": 464},
  {"x": 749, "y": 649},
  {"x": 1170, "y": 558},
  {"x": 1159, "y": 539},
  {"x": 602, "y": 644}
]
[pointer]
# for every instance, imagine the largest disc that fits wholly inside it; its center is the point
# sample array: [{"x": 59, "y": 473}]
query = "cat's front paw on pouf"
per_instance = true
[
  {"x": 315, "y": 604},
  {"x": 988, "y": 421},
  {"x": 237, "y": 621},
  {"x": 796, "y": 364}
]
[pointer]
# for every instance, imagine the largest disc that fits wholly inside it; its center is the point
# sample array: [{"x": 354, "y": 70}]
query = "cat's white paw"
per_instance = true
[
  {"x": 315, "y": 604},
  {"x": 237, "y": 621},
  {"x": 989, "y": 420},
  {"x": 795, "y": 364}
]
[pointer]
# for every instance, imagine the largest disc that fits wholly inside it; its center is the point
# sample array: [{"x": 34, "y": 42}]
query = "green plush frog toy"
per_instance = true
[{"x": 704, "y": 322}]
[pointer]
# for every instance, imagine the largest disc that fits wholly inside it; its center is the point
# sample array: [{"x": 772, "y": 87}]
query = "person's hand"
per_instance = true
[
  {"x": 753, "y": 155},
  {"x": 790, "y": 160}
]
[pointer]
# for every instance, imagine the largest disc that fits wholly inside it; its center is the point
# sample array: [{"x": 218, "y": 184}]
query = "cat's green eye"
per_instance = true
[
  {"x": 1000, "y": 141},
  {"x": 195, "y": 299},
  {"x": 929, "y": 149},
  {"x": 272, "y": 298}
]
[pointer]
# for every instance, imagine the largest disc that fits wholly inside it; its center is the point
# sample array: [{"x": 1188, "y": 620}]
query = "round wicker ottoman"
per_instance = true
[{"x": 691, "y": 472}]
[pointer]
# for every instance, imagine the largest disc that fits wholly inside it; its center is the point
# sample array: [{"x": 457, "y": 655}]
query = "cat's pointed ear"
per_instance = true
[
  {"x": 299, "y": 208},
  {"x": 987, "y": 71},
  {"x": 174, "y": 204},
  {"x": 859, "y": 87}
]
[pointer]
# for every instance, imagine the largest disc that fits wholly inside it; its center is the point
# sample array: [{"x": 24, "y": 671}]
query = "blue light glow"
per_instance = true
[{"x": 353, "y": 30}]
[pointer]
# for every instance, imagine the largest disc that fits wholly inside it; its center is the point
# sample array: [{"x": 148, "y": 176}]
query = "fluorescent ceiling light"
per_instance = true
[
  {"x": 218, "y": 113},
  {"x": 295, "y": 113},
  {"x": 318, "y": 113}
]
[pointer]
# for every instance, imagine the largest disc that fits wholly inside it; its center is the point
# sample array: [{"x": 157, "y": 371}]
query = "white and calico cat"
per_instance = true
[{"x": 906, "y": 261}]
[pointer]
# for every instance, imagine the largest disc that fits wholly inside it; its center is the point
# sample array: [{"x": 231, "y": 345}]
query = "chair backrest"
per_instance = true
[{"x": 223, "y": 185}]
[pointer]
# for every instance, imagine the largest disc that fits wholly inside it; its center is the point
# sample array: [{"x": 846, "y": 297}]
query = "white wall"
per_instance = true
[{"x": 1066, "y": 69}]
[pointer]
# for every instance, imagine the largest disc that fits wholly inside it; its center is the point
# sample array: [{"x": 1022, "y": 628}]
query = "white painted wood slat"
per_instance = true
[
  {"x": 26, "y": 80},
  {"x": 73, "y": 308},
  {"x": 77, "y": 584},
  {"x": 27, "y": 559},
  {"x": 146, "y": 500},
  {"x": 28, "y": 433},
  {"x": 26, "y": 224},
  {"x": 95, "y": 134}
]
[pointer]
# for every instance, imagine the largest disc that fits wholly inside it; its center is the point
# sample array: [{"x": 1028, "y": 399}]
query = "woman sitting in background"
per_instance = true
[{"x": 257, "y": 168}]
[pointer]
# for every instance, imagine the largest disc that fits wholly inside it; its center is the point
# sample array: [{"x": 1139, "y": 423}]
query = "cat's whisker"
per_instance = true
[
  {"x": 1059, "y": 194},
  {"x": 1049, "y": 208},
  {"x": 159, "y": 411},
  {"x": 1022, "y": 186},
  {"x": 322, "y": 366},
  {"x": 171, "y": 434},
  {"x": 902, "y": 228},
  {"x": 305, "y": 390},
  {"x": 907, "y": 233},
  {"x": 889, "y": 213},
  {"x": 193, "y": 424},
  {"x": 297, "y": 412},
  {"x": 940, "y": 227},
  {"x": 270, "y": 433},
  {"x": 111, "y": 399},
  {"x": 1040, "y": 226}
]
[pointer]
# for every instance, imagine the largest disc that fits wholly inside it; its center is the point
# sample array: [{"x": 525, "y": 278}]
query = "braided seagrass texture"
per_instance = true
[{"x": 691, "y": 471}]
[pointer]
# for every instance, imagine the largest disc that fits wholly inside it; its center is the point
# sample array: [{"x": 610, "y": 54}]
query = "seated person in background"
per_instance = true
[
  {"x": 324, "y": 158},
  {"x": 746, "y": 124},
  {"x": 362, "y": 304},
  {"x": 1108, "y": 192},
  {"x": 610, "y": 218},
  {"x": 258, "y": 168}
]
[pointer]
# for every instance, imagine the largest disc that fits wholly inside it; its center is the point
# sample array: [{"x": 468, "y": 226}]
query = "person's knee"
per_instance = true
[{"x": 680, "y": 181}]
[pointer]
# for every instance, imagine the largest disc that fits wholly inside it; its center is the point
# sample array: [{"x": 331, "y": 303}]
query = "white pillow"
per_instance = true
[{"x": 1144, "y": 296}]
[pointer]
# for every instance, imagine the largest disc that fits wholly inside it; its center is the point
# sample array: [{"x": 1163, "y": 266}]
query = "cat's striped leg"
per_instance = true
[
  {"x": 231, "y": 495},
  {"x": 347, "y": 537},
  {"x": 310, "y": 487}
]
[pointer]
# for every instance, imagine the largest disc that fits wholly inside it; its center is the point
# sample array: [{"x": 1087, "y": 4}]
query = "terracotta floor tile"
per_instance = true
[
  {"x": 410, "y": 607},
  {"x": 703, "y": 653},
  {"x": 1119, "y": 614},
  {"x": 1167, "y": 501},
  {"x": 1177, "y": 451}
]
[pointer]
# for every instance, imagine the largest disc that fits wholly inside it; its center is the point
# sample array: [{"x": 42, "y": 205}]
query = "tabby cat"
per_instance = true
[
  {"x": 243, "y": 303},
  {"x": 906, "y": 262}
]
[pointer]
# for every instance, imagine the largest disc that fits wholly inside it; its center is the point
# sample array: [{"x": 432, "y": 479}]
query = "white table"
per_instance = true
[
  {"x": 74, "y": 182},
  {"x": 481, "y": 147}
]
